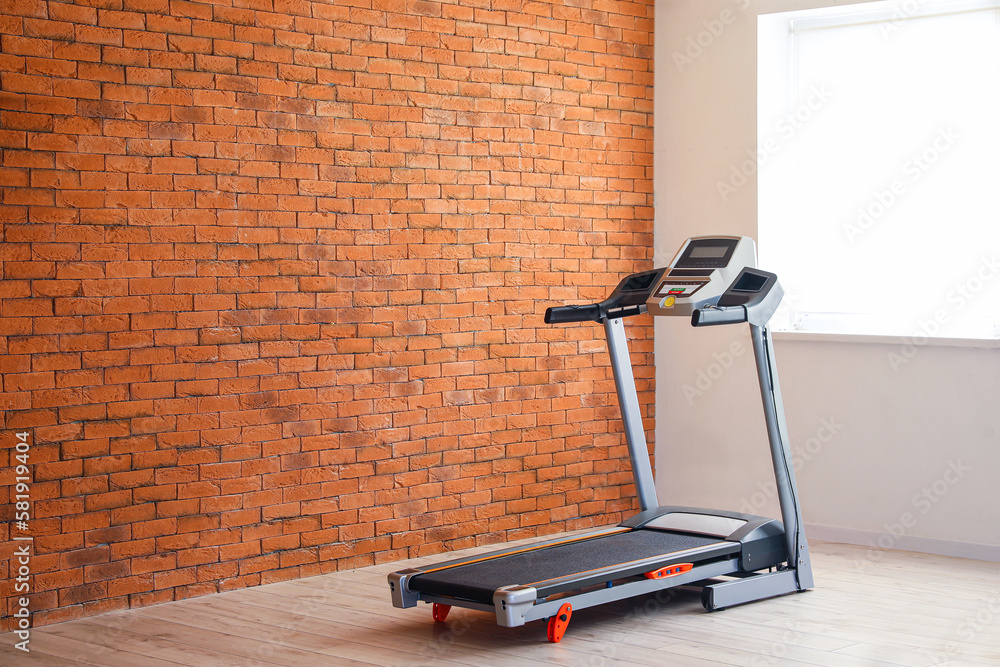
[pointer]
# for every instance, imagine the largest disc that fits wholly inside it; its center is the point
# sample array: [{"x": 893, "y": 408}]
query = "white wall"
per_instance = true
[{"x": 912, "y": 451}]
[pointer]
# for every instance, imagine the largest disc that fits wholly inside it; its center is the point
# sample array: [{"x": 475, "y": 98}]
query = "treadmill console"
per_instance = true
[
  {"x": 712, "y": 280},
  {"x": 700, "y": 273}
]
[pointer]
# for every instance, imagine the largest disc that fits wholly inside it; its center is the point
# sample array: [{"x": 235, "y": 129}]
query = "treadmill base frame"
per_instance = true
[
  {"x": 749, "y": 589},
  {"x": 514, "y": 606}
]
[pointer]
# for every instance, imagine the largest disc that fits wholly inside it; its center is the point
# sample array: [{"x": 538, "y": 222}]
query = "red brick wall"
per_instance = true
[{"x": 274, "y": 276}]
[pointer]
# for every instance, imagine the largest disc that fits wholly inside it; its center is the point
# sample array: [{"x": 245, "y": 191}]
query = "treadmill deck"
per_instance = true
[{"x": 478, "y": 580}]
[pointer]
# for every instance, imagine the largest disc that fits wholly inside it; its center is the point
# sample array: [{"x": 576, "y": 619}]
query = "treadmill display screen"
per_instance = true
[{"x": 705, "y": 252}]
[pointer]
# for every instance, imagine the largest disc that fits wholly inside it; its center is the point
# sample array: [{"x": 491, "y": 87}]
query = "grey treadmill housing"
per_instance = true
[{"x": 768, "y": 557}]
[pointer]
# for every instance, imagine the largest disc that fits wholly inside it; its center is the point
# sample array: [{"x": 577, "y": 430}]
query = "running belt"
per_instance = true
[{"x": 478, "y": 580}]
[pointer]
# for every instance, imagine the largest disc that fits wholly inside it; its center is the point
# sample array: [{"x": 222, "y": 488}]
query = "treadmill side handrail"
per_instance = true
[{"x": 573, "y": 313}]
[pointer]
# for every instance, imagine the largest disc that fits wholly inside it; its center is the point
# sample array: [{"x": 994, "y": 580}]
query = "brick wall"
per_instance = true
[{"x": 274, "y": 274}]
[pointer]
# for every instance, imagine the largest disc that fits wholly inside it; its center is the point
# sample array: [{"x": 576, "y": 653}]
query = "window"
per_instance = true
[{"x": 879, "y": 167}]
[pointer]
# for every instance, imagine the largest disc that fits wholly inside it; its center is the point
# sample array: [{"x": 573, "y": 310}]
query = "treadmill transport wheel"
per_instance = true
[
  {"x": 559, "y": 623},
  {"x": 440, "y": 611}
]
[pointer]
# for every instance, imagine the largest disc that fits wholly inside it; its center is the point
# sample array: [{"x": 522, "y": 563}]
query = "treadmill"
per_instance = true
[{"x": 732, "y": 557}]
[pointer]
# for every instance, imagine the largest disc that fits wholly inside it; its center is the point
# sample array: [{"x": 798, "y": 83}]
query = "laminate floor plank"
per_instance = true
[
  {"x": 50, "y": 650},
  {"x": 167, "y": 644}
]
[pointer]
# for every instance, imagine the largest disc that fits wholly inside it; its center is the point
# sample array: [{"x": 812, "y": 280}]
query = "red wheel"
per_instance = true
[
  {"x": 559, "y": 623},
  {"x": 440, "y": 611}
]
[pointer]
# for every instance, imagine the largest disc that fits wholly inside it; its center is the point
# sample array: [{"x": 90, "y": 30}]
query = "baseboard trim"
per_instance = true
[{"x": 927, "y": 545}]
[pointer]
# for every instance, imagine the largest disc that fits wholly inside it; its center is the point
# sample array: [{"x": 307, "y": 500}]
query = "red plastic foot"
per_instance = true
[
  {"x": 440, "y": 611},
  {"x": 559, "y": 623}
]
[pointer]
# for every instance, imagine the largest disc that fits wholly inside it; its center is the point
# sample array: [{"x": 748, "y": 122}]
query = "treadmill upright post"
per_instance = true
[
  {"x": 628, "y": 400},
  {"x": 781, "y": 456}
]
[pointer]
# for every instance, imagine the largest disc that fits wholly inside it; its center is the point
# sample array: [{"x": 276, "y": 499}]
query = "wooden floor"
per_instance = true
[{"x": 905, "y": 609}]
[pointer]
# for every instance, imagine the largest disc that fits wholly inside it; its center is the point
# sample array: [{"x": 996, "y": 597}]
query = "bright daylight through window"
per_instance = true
[{"x": 879, "y": 167}]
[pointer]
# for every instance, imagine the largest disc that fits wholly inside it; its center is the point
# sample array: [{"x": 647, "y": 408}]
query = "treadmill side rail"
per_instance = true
[
  {"x": 707, "y": 553},
  {"x": 545, "y": 609}
]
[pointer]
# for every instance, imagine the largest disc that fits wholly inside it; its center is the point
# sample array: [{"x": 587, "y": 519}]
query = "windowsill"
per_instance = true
[{"x": 885, "y": 339}]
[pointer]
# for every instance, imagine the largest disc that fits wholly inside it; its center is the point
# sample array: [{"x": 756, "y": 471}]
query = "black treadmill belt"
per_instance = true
[{"x": 478, "y": 581}]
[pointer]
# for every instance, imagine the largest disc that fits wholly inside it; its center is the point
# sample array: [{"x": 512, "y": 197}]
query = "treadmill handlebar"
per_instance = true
[
  {"x": 585, "y": 313},
  {"x": 711, "y": 316}
]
